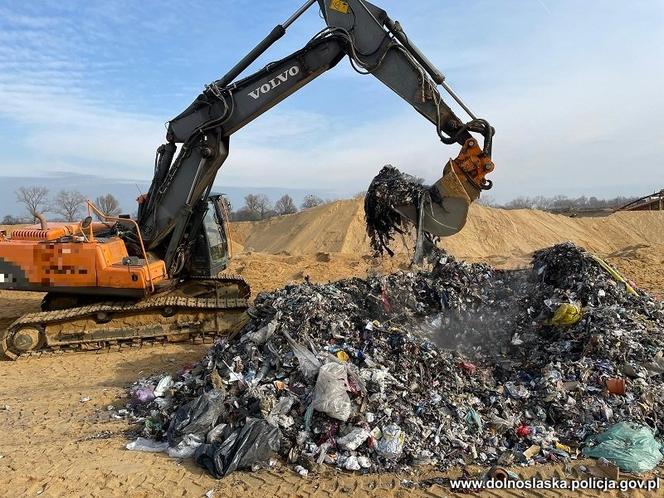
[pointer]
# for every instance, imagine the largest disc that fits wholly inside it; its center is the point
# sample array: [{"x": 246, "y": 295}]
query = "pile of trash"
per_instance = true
[{"x": 457, "y": 365}]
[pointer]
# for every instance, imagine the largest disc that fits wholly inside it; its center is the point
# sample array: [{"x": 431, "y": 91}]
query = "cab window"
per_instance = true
[{"x": 216, "y": 242}]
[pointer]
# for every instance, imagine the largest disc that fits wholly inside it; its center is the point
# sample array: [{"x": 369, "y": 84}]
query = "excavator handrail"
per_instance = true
[{"x": 100, "y": 214}]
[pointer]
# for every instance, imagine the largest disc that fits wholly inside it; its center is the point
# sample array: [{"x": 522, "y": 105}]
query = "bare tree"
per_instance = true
[
  {"x": 311, "y": 200},
  {"x": 562, "y": 202},
  {"x": 285, "y": 205},
  {"x": 258, "y": 205},
  {"x": 35, "y": 200},
  {"x": 68, "y": 204},
  {"x": 487, "y": 200},
  {"x": 108, "y": 205},
  {"x": 520, "y": 203},
  {"x": 543, "y": 203}
]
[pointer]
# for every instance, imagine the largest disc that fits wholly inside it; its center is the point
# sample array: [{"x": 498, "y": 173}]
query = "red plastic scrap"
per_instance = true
[
  {"x": 330, "y": 436},
  {"x": 467, "y": 367},
  {"x": 352, "y": 386},
  {"x": 387, "y": 307},
  {"x": 523, "y": 431}
]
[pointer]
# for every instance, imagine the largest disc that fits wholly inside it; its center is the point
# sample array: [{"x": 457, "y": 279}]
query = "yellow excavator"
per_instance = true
[{"x": 160, "y": 277}]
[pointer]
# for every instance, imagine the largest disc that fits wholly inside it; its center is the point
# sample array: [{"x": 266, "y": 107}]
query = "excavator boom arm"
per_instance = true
[{"x": 374, "y": 43}]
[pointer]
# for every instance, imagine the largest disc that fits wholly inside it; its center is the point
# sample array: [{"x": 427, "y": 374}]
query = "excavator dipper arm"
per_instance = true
[{"x": 375, "y": 45}]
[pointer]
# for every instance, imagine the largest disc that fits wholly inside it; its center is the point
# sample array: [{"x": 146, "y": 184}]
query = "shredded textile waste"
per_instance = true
[
  {"x": 389, "y": 189},
  {"x": 457, "y": 365}
]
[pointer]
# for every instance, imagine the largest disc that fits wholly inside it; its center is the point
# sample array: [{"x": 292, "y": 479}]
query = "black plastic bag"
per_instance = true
[
  {"x": 253, "y": 443},
  {"x": 196, "y": 417}
]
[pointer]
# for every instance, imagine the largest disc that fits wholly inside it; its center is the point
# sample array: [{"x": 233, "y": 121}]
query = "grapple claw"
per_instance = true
[{"x": 443, "y": 210}]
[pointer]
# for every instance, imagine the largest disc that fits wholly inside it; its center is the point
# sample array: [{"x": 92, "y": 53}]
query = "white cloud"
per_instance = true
[{"x": 569, "y": 115}]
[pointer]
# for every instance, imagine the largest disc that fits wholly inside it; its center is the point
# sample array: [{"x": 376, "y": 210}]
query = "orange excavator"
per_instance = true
[{"x": 161, "y": 277}]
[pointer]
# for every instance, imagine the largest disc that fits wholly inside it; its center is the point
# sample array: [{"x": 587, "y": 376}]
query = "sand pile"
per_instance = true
[
  {"x": 329, "y": 242},
  {"x": 489, "y": 233},
  {"x": 334, "y": 227}
]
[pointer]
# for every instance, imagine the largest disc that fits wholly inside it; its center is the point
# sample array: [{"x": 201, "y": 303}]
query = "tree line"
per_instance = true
[
  {"x": 561, "y": 203},
  {"x": 259, "y": 207},
  {"x": 67, "y": 205}
]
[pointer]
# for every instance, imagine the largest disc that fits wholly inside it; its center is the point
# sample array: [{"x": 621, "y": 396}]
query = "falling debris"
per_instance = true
[
  {"x": 389, "y": 189},
  {"x": 461, "y": 364}
]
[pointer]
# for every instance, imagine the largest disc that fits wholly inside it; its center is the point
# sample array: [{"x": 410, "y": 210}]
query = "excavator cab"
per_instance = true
[{"x": 211, "y": 251}]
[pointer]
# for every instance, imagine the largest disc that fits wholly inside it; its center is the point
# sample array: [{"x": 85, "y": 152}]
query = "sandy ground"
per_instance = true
[
  {"x": 56, "y": 442},
  {"x": 643, "y": 266},
  {"x": 59, "y": 439}
]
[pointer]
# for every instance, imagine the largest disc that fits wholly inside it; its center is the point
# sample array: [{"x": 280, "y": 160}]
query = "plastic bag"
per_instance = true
[
  {"x": 309, "y": 364},
  {"x": 196, "y": 417},
  {"x": 253, "y": 443},
  {"x": 218, "y": 434},
  {"x": 391, "y": 444},
  {"x": 261, "y": 335},
  {"x": 141, "y": 395},
  {"x": 164, "y": 385},
  {"x": 186, "y": 447},
  {"x": 353, "y": 439},
  {"x": 474, "y": 421},
  {"x": 566, "y": 314},
  {"x": 631, "y": 447},
  {"x": 351, "y": 463},
  {"x": 149, "y": 445},
  {"x": 278, "y": 416},
  {"x": 330, "y": 396}
]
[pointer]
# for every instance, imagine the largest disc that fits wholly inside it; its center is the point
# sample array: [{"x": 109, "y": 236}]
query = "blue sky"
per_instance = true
[{"x": 573, "y": 88}]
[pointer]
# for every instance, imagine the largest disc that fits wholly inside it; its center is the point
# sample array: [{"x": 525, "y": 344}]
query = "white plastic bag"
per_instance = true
[
  {"x": 164, "y": 385},
  {"x": 390, "y": 446},
  {"x": 186, "y": 447},
  {"x": 143, "y": 444},
  {"x": 309, "y": 364},
  {"x": 353, "y": 439},
  {"x": 330, "y": 396}
]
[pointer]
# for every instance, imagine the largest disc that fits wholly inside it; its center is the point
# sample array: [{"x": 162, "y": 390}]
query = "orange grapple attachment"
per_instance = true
[{"x": 444, "y": 212}]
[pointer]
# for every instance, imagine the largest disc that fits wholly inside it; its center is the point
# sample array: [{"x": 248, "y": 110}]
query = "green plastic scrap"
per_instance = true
[
  {"x": 153, "y": 425},
  {"x": 631, "y": 447},
  {"x": 474, "y": 421}
]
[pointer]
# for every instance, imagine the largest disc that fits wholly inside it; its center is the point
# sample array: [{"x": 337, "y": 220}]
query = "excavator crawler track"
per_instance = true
[{"x": 216, "y": 308}]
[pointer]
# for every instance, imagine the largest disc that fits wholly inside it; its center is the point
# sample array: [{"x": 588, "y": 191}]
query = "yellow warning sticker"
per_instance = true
[{"x": 339, "y": 6}]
